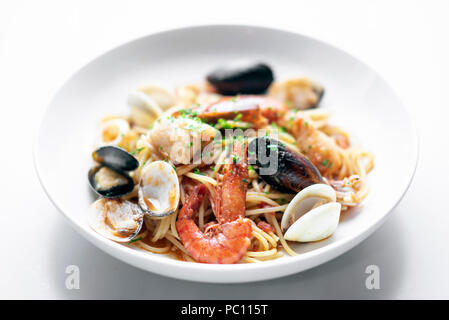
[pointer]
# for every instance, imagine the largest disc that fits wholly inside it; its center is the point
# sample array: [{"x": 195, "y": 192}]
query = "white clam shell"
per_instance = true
[
  {"x": 144, "y": 109},
  {"x": 118, "y": 127},
  {"x": 159, "y": 189},
  {"x": 114, "y": 219},
  {"x": 305, "y": 200},
  {"x": 161, "y": 96},
  {"x": 315, "y": 225}
]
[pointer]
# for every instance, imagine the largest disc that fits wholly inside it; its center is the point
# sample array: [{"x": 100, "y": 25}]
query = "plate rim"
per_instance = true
[{"x": 315, "y": 257}]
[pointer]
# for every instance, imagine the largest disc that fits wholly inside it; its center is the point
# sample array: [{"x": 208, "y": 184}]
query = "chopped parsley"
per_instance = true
[
  {"x": 135, "y": 239},
  {"x": 327, "y": 163},
  {"x": 137, "y": 150},
  {"x": 197, "y": 171},
  {"x": 188, "y": 113},
  {"x": 224, "y": 124}
]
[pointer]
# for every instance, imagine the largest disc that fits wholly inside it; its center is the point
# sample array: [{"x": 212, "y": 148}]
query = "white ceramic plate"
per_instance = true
[{"x": 360, "y": 100}]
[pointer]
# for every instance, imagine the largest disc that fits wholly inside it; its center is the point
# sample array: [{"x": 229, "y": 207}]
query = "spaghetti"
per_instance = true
[{"x": 344, "y": 167}]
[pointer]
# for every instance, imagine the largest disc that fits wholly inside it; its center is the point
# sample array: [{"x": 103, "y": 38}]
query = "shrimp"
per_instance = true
[
  {"x": 245, "y": 108},
  {"x": 226, "y": 240},
  {"x": 321, "y": 149}
]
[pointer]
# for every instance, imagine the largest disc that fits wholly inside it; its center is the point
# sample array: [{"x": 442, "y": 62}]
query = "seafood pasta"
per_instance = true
[{"x": 232, "y": 170}]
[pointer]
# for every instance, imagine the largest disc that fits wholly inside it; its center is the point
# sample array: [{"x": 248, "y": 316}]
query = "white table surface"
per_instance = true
[{"x": 43, "y": 42}]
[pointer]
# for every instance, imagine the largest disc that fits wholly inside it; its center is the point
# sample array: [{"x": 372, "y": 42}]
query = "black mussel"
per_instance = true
[
  {"x": 241, "y": 78},
  {"x": 110, "y": 183},
  {"x": 319, "y": 90},
  {"x": 115, "y": 158},
  {"x": 280, "y": 167}
]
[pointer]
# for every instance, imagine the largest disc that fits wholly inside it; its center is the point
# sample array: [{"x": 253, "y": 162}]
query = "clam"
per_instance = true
[
  {"x": 302, "y": 93},
  {"x": 161, "y": 96},
  {"x": 312, "y": 215},
  {"x": 144, "y": 110},
  {"x": 316, "y": 225},
  {"x": 241, "y": 77},
  {"x": 148, "y": 103},
  {"x": 109, "y": 179},
  {"x": 159, "y": 189},
  {"x": 280, "y": 167},
  {"x": 115, "y": 219},
  {"x": 113, "y": 131},
  {"x": 305, "y": 200}
]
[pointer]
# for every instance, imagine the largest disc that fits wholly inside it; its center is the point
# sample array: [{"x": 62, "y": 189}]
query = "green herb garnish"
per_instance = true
[
  {"x": 135, "y": 239},
  {"x": 197, "y": 171},
  {"x": 137, "y": 151}
]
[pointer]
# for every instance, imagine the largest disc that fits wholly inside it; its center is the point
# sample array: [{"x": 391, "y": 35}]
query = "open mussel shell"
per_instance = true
[
  {"x": 117, "y": 220},
  {"x": 110, "y": 183},
  {"x": 241, "y": 77},
  {"x": 280, "y": 167},
  {"x": 115, "y": 158},
  {"x": 159, "y": 191}
]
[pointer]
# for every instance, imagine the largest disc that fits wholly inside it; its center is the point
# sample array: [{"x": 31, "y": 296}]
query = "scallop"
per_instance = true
[
  {"x": 117, "y": 220},
  {"x": 172, "y": 137},
  {"x": 312, "y": 214},
  {"x": 159, "y": 189}
]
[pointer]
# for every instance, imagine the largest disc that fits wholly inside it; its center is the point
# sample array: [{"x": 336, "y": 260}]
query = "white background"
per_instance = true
[{"x": 43, "y": 42}]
